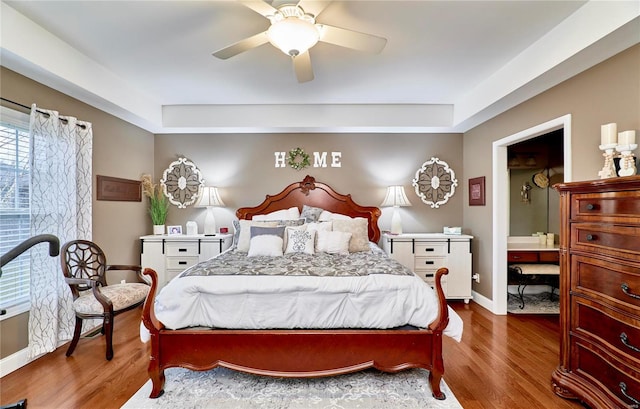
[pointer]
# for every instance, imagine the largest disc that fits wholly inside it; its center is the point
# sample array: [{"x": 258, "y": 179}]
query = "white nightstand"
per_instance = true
[
  {"x": 425, "y": 253},
  {"x": 170, "y": 255}
]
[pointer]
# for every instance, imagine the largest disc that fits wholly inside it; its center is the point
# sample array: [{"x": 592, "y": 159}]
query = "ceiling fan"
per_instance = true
[{"x": 294, "y": 31}]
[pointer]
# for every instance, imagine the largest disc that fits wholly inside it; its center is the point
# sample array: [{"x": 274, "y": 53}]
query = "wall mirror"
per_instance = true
[
  {"x": 435, "y": 182},
  {"x": 181, "y": 182}
]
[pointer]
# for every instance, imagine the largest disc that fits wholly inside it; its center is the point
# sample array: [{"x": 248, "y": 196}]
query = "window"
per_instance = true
[{"x": 14, "y": 208}]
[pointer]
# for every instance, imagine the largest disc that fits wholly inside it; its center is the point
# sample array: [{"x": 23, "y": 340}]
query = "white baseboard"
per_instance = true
[
  {"x": 13, "y": 362},
  {"x": 482, "y": 301}
]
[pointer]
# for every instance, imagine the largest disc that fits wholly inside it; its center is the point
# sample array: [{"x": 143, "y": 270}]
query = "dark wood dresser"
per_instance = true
[{"x": 600, "y": 293}]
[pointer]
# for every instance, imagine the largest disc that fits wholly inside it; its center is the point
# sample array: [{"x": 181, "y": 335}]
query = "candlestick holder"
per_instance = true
[
  {"x": 609, "y": 168},
  {"x": 627, "y": 159}
]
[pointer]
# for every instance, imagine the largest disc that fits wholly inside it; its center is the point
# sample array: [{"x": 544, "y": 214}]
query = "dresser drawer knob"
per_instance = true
[
  {"x": 592, "y": 237},
  {"x": 625, "y": 289},
  {"x": 429, "y": 249},
  {"x": 625, "y": 340},
  {"x": 623, "y": 389},
  {"x": 429, "y": 262},
  {"x": 591, "y": 206}
]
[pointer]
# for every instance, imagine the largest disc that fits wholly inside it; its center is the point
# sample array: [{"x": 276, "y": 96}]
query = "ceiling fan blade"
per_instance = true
[
  {"x": 259, "y": 7},
  {"x": 351, "y": 39},
  {"x": 242, "y": 45},
  {"x": 314, "y": 7},
  {"x": 302, "y": 67}
]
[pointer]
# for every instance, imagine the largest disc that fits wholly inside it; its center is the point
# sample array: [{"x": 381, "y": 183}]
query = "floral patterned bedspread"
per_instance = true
[{"x": 300, "y": 264}]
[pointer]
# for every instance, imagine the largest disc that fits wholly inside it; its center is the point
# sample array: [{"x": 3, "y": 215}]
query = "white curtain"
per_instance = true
[{"x": 61, "y": 151}]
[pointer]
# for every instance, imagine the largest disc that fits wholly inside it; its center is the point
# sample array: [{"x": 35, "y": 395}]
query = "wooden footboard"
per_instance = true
[{"x": 295, "y": 353}]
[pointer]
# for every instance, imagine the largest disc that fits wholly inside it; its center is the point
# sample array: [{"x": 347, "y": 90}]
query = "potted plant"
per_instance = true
[{"x": 158, "y": 204}]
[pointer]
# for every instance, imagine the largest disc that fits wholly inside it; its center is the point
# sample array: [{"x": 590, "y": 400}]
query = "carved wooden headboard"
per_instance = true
[{"x": 316, "y": 194}]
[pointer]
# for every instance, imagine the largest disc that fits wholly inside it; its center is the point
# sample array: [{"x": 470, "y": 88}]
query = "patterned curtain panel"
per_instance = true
[{"x": 61, "y": 151}]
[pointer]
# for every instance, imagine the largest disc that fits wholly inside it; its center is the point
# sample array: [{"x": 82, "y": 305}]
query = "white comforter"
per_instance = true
[{"x": 261, "y": 302}]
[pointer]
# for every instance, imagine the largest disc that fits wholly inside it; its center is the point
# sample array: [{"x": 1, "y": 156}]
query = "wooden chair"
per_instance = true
[{"x": 84, "y": 266}]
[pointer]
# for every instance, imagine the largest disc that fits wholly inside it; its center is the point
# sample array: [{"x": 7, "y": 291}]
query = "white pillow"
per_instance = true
[
  {"x": 321, "y": 226},
  {"x": 358, "y": 227},
  {"x": 291, "y": 213},
  {"x": 299, "y": 240},
  {"x": 326, "y": 216},
  {"x": 265, "y": 245},
  {"x": 333, "y": 242},
  {"x": 244, "y": 235}
]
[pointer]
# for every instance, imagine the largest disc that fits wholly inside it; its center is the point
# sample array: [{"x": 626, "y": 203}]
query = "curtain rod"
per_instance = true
[{"x": 42, "y": 112}]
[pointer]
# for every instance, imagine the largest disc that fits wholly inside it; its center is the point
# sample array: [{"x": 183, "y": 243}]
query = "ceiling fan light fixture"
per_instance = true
[{"x": 293, "y": 35}]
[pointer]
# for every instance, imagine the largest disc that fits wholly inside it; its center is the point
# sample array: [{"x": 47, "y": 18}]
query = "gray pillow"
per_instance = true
[
  {"x": 273, "y": 231},
  {"x": 310, "y": 214}
]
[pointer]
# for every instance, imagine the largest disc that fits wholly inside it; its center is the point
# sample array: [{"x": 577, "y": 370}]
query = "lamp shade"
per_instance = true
[
  {"x": 395, "y": 197},
  {"x": 209, "y": 197}
]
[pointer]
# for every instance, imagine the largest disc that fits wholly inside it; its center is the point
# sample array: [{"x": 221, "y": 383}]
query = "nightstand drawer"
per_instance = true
[
  {"x": 522, "y": 256},
  {"x": 429, "y": 263},
  {"x": 429, "y": 277},
  {"x": 181, "y": 249},
  {"x": 431, "y": 249},
  {"x": 180, "y": 263}
]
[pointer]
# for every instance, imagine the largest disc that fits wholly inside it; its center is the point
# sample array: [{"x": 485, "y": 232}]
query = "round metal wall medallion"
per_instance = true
[
  {"x": 435, "y": 182},
  {"x": 181, "y": 182}
]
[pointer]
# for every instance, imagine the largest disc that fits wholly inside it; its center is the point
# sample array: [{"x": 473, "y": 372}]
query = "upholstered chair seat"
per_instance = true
[{"x": 121, "y": 295}]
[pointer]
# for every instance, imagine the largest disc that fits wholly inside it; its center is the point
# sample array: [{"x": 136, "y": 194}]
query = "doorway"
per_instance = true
[{"x": 500, "y": 193}]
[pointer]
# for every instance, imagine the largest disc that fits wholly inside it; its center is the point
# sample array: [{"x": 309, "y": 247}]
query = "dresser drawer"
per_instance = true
[
  {"x": 616, "y": 377},
  {"x": 614, "y": 283},
  {"x": 181, "y": 249},
  {"x": 522, "y": 257},
  {"x": 431, "y": 249},
  {"x": 429, "y": 277},
  {"x": 613, "y": 240},
  {"x": 605, "y": 206},
  {"x": 180, "y": 263},
  {"x": 608, "y": 328}
]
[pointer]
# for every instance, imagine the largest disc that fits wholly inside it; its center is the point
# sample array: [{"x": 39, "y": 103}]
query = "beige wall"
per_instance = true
[
  {"x": 608, "y": 92},
  {"x": 243, "y": 167},
  {"x": 119, "y": 150}
]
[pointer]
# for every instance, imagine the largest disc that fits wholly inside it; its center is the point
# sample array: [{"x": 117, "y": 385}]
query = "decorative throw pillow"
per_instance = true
[
  {"x": 265, "y": 245},
  {"x": 310, "y": 214},
  {"x": 300, "y": 240},
  {"x": 333, "y": 242},
  {"x": 286, "y": 214},
  {"x": 274, "y": 231},
  {"x": 242, "y": 233},
  {"x": 358, "y": 227},
  {"x": 326, "y": 216}
]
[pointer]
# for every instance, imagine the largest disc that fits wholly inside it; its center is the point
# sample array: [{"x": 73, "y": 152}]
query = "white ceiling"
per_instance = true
[{"x": 447, "y": 65}]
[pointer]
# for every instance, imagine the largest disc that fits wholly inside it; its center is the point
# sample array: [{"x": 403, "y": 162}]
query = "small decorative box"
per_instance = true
[{"x": 452, "y": 230}]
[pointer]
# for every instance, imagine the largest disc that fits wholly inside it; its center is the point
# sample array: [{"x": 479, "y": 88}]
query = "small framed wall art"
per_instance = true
[{"x": 476, "y": 191}]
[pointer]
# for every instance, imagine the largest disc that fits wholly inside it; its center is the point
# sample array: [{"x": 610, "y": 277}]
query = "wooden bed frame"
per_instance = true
[{"x": 298, "y": 353}]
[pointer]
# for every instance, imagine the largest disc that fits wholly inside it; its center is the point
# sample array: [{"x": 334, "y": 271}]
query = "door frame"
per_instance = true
[{"x": 501, "y": 199}]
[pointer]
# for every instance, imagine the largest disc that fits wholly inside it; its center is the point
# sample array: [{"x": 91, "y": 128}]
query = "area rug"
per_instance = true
[
  {"x": 223, "y": 388},
  {"x": 541, "y": 303}
]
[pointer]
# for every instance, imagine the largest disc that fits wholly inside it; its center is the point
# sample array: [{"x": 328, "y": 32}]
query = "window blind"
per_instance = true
[{"x": 14, "y": 205}]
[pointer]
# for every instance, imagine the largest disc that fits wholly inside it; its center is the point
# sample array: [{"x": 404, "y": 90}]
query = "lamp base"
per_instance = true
[
  {"x": 209, "y": 223},
  {"x": 396, "y": 222}
]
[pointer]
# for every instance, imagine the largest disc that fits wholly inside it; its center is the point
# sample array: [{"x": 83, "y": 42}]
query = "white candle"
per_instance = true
[
  {"x": 627, "y": 138},
  {"x": 609, "y": 134}
]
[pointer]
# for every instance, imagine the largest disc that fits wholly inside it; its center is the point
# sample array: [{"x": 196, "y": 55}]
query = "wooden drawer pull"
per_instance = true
[
  {"x": 625, "y": 340},
  {"x": 592, "y": 237},
  {"x": 625, "y": 289},
  {"x": 623, "y": 390}
]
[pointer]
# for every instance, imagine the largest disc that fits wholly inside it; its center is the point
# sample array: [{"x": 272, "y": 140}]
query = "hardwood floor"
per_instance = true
[{"x": 502, "y": 362}]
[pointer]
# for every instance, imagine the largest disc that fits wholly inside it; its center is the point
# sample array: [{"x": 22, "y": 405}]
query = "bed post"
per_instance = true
[
  {"x": 437, "y": 326},
  {"x": 156, "y": 373}
]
